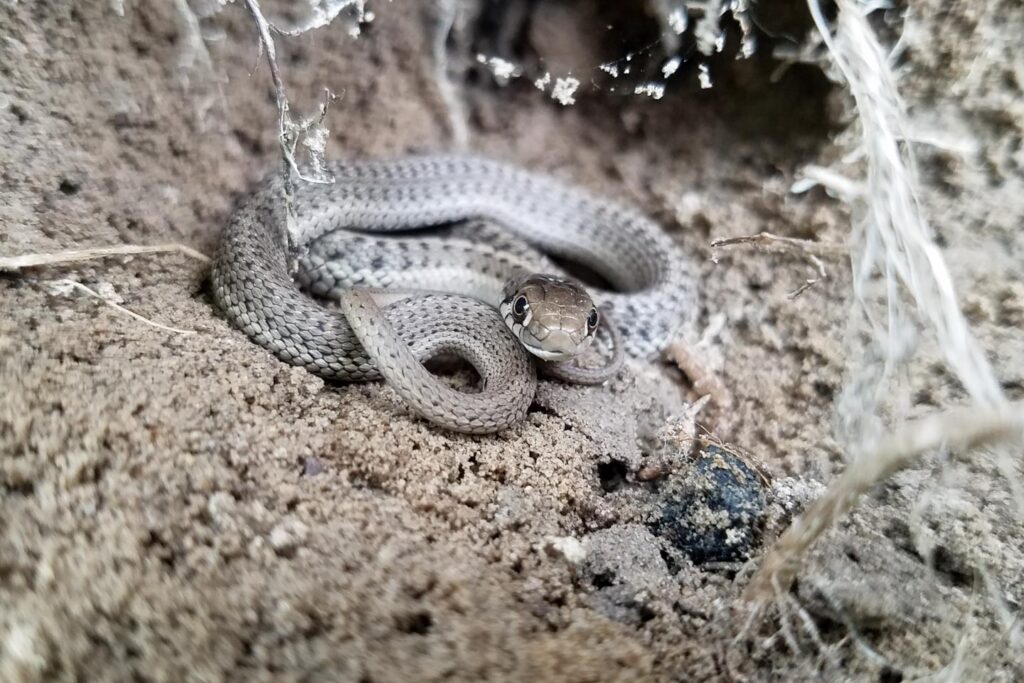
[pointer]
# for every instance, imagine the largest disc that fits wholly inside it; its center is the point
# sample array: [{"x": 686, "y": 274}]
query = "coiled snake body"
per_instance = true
[{"x": 482, "y": 230}]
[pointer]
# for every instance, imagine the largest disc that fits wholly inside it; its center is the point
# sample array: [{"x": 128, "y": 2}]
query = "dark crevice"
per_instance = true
[
  {"x": 612, "y": 475},
  {"x": 603, "y": 579},
  {"x": 69, "y": 187},
  {"x": 890, "y": 675},
  {"x": 952, "y": 569},
  {"x": 419, "y": 623},
  {"x": 19, "y": 113},
  {"x": 543, "y": 410},
  {"x": 758, "y": 97}
]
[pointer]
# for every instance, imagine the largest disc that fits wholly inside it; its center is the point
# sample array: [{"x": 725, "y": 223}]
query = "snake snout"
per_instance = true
[{"x": 553, "y": 317}]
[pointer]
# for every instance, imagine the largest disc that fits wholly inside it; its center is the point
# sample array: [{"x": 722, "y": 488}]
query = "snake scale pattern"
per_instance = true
[{"x": 418, "y": 254}]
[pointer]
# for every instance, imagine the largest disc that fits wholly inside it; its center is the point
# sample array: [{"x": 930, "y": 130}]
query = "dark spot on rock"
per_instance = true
[
  {"x": 890, "y": 675},
  {"x": 715, "y": 514},
  {"x": 612, "y": 474},
  {"x": 123, "y": 120},
  {"x": 69, "y": 187},
  {"x": 419, "y": 623},
  {"x": 953, "y": 569},
  {"x": 25, "y": 488},
  {"x": 19, "y": 113},
  {"x": 542, "y": 409},
  {"x": 824, "y": 390},
  {"x": 645, "y": 613},
  {"x": 252, "y": 144}
]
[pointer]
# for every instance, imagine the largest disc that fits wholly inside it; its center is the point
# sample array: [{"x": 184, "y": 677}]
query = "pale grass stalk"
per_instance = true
[
  {"x": 116, "y": 306},
  {"x": 16, "y": 263},
  {"x": 448, "y": 14},
  {"x": 959, "y": 430},
  {"x": 895, "y": 241}
]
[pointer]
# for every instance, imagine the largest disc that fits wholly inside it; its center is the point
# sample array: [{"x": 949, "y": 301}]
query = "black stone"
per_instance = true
[{"x": 715, "y": 514}]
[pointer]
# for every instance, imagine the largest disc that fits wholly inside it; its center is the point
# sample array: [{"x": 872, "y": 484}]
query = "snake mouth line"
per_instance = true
[
  {"x": 518, "y": 330},
  {"x": 556, "y": 356},
  {"x": 544, "y": 354}
]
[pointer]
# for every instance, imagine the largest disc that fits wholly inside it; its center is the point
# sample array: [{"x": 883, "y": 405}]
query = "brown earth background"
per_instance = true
[{"x": 184, "y": 507}]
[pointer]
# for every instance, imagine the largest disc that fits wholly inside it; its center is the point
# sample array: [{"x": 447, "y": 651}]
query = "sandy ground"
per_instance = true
[{"x": 185, "y": 507}]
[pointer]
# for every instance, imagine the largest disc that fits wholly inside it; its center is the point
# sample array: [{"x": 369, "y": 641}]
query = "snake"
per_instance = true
[{"x": 399, "y": 261}]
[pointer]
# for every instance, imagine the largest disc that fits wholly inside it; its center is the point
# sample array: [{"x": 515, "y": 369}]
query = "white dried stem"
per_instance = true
[
  {"x": 324, "y": 12},
  {"x": 784, "y": 629},
  {"x": 194, "y": 60},
  {"x": 834, "y": 183},
  {"x": 116, "y": 306},
  {"x": 810, "y": 628},
  {"x": 289, "y": 132},
  {"x": 194, "y": 47},
  {"x": 16, "y": 263},
  {"x": 897, "y": 239},
  {"x": 448, "y": 13},
  {"x": 1012, "y": 623},
  {"x": 959, "y": 430}
]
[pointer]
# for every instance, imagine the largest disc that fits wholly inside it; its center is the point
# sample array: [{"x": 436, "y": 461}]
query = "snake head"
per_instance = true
[{"x": 554, "y": 318}]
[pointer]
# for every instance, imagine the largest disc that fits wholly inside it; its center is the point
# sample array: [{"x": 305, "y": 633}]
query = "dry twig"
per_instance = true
[
  {"x": 814, "y": 252},
  {"x": 699, "y": 361},
  {"x": 290, "y": 132},
  {"x": 783, "y": 245}
]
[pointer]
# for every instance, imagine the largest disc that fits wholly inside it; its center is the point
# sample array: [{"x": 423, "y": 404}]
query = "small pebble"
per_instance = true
[
  {"x": 287, "y": 536},
  {"x": 312, "y": 467},
  {"x": 567, "y": 547}
]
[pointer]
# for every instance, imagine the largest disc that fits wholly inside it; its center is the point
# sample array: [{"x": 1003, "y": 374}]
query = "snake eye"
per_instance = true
[
  {"x": 592, "y": 319},
  {"x": 520, "y": 306}
]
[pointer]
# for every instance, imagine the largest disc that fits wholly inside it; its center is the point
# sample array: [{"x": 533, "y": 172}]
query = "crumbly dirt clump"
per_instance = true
[{"x": 185, "y": 507}]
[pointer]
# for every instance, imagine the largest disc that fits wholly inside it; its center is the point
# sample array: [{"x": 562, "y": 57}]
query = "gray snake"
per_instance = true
[{"x": 419, "y": 253}]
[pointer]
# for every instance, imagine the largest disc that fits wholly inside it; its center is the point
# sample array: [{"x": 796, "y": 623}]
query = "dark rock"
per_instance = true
[{"x": 715, "y": 514}]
